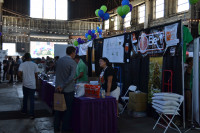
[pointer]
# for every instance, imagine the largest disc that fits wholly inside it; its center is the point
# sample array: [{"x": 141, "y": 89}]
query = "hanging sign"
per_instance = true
[
  {"x": 171, "y": 35},
  {"x": 113, "y": 49},
  {"x": 151, "y": 42}
]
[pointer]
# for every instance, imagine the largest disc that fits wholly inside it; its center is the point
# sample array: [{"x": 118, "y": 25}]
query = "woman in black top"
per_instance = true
[{"x": 108, "y": 79}]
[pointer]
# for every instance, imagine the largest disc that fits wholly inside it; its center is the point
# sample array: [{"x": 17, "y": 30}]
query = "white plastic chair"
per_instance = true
[
  {"x": 125, "y": 98},
  {"x": 167, "y": 119}
]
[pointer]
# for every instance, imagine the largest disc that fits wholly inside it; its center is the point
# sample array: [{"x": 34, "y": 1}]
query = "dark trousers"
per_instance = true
[
  {"x": 188, "y": 103},
  {"x": 64, "y": 117},
  {"x": 4, "y": 74},
  {"x": 28, "y": 93},
  {"x": 11, "y": 76}
]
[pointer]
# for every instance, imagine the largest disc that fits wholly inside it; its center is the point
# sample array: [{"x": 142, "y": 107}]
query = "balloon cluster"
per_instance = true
[
  {"x": 193, "y": 1},
  {"x": 78, "y": 42},
  {"x": 124, "y": 9},
  {"x": 99, "y": 31},
  {"x": 102, "y": 13},
  {"x": 91, "y": 35}
]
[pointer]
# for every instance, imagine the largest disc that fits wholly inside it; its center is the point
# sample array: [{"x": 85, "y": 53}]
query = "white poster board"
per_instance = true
[
  {"x": 113, "y": 49},
  {"x": 171, "y": 35},
  {"x": 3, "y": 53},
  {"x": 60, "y": 50},
  {"x": 84, "y": 47}
]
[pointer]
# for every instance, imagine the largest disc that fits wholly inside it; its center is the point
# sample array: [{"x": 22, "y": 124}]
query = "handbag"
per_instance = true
[{"x": 59, "y": 102}]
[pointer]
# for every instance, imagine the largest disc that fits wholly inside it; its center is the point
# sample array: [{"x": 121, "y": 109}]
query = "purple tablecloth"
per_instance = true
[
  {"x": 89, "y": 115},
  {"x": 46, "y": 93},
  {"x": 95, "y": 115}
]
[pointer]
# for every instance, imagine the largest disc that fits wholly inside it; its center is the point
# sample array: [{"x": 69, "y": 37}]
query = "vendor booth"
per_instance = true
[{"x": 149, "y": 59}]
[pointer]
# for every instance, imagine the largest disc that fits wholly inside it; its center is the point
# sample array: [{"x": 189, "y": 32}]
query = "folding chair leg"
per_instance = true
[
  {"x": 171, "y": 122},
  {"x": 157, "y": 122},
  {"x": 123, "y": 108}
]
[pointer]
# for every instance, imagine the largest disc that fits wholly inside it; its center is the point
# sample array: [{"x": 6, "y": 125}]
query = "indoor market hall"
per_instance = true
[{"x": 99, "y": 66}]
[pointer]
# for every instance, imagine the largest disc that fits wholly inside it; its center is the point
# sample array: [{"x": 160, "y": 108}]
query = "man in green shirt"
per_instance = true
[{"x": 81, "y": 71}]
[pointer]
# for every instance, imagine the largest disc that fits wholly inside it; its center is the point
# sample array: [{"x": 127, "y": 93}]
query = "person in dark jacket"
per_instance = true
[
  {"x": 11, "y": 68},
  {"x": 5, "y": 68}
]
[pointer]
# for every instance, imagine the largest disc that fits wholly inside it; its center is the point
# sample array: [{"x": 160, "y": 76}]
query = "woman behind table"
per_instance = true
[{"x": 108, "y": 79}]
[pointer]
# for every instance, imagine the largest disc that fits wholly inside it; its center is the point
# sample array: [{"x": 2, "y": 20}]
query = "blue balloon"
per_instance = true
[
  {"x": 125, "y": 2},
  {"x": 100, "y": 30},
  {"x": 77, "y": 50},
  {"x": 79, "y": 40},
  {"x": 89, "y": 32},
  {"x": 97, "y": 28},
  {"x": 101, "y": 13},
  {"x": 100, "y": 36},
  {"x": 106, "y": 16},
  {"x": 92, "y": 35},
  {"x": 123, "y": 16},
  {"x": 93, "y": 31},
  {"x": 95, "y": 36},
  {"x": 86, "y": 35},
  {"x": 131, "y": 7}
]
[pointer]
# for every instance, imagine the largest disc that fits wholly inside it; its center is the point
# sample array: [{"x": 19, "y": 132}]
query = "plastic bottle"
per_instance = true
[
  {"x": 102, "y": 93},
  {"x": 126, "y": 48}
]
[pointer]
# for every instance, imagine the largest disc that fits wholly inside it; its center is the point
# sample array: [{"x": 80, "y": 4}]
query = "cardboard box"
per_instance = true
[
  {"x": 137, "y": 102},
  {"x": 137, "y": 97},
  {"x": 138, "y": 107}
]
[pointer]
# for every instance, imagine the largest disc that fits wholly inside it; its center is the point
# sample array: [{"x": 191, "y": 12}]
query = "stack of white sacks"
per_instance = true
[{"x": 166, "y": 103}]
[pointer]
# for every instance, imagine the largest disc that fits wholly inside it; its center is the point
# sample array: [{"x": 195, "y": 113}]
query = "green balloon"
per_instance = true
[
  {"x": 89, "y": 37},
  {"x": 119, "y": 11},
  {"x": 125, "y": 9},
  {"x": 96, "y": 31},
  {"x": 193, "y": 1},
  {"x": 104, "y": 8},
  {"x": 76, "y": 43},
  {"x": 96, "y": 12}
]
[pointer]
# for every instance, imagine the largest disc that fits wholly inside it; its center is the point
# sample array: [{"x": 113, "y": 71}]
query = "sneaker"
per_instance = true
[
  {"x": 32, "y": 117},
  {"x": 23, "y": 112}
]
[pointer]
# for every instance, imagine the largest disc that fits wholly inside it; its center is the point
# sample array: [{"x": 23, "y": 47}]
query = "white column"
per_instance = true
[
  {"x": 195, "y": 89},
  {"x": 147, "y": 14}
]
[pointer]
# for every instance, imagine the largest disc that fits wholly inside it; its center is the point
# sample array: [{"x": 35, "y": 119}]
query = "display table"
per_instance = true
[
  {"x": 95, "y": 115},
  {"x": 90, "y": 115},
  {"x": 46, "y": 92}
]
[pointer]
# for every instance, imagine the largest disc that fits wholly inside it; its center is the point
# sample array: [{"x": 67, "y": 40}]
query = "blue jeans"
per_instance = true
[
  {"x": 64, "y": 117},
  {"x": 28, "y": 93}
]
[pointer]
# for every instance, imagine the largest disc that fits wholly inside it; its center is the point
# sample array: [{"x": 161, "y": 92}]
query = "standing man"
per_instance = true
[
  {"x": 10, "y": 68},
  {"x": 5, "y": 68},
  {"x": 188, "y": 88},
  {"x": 81, "y": 71},
  {"x": 65, "y": 72},
  {"x": 28, "y": 72}
]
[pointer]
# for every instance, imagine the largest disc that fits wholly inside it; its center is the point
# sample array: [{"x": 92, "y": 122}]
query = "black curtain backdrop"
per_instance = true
[
  {"x": 136, "y": 72},
  {"x": 98, "y": 46}
]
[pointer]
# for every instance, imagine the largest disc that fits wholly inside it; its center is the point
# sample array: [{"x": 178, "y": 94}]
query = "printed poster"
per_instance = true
[
  {"x": 84, "y": 47},
  {"x": 154, "y": 41},
  {"x": 113, "y": 49},
  {"x": 155, "y": 76},
  {"x": 171, "y": 35}
]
